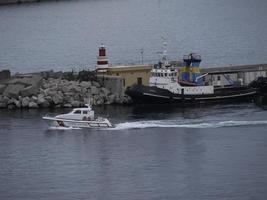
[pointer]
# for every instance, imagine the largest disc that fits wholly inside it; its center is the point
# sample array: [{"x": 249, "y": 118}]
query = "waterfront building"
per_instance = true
[
  {"x": 238, "y": 75},
  {"x": 130, "y": 74}
]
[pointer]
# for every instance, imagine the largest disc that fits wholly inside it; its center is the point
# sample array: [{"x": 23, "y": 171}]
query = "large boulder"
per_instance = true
[
  {"x": 84, "y": 91},
  {"x": 67, "y": 105},
  {"x": 105, "y": 92},
  {"x": 94, "y": 90},
  {"x": 34, "y": 80},
  {"x": 111, "y": 98},
  {"x": 25, "y": 102},
  {"x": 2, "y": 88},
  {"x": 74, "y": 88},
  {"x": 49, "y": 99},
  {"x": 3, "y": 105},
  {"x": 13, "y": 90},
  {"x": 68, "y": 99},
  {"x": 57, "y": 99},
  {"x": 33, "y": 105},
  {"x": 29, "y": 91},
  {"x": 11, "y": 106},
  {"x": 49, "y": 92},
  {"x": 75, "y": 104},
  {"x": 42, "y": 102},
  {"x": 94, "y": 83},
  {"x": 118, "y": 99},
  {"x": 40, "y": 99},
  {"x": 100, "y": 101},
  {"x": 86, "y": 84},
  {"x": 3, "y": 101},
  {"x": 11, "y": 101},
  {"x": 34, "y": 99},
  {"x": 4, "y": 74},
  {"x": 64, "y": 89},
  {"x": 18, "y": 103},
  {"x": 126, "y": 99}
]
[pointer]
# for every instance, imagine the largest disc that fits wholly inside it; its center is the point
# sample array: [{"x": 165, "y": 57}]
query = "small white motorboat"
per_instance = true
[{"x": 78, "y": 118}]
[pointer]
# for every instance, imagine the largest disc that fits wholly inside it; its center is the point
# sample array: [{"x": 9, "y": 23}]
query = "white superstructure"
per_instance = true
[
  {"x": 166, "y": 76},
  {"x": 79, "y": 118}
]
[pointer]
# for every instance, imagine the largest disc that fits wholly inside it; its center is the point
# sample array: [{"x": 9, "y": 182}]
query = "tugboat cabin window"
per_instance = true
[{"x": 77, "y": 112}]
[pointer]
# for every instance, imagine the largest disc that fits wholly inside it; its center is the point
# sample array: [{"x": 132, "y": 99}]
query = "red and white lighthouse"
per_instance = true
[{"x": 102, "y": 59}]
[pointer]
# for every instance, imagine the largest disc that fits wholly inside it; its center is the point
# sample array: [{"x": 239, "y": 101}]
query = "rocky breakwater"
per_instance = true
[{"x": 34, "y": 91}]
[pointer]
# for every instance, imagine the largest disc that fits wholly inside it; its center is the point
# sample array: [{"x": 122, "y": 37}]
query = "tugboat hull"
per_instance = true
[{"x": 153, "y": 95}]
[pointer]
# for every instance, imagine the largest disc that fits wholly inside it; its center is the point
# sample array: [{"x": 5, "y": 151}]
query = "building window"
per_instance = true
[
  {"x": 124, "y": 82},
  {"x": 218, "y": 78},
  {"x": 117, "y": 74},
  {"x": 139, "y": 81}
]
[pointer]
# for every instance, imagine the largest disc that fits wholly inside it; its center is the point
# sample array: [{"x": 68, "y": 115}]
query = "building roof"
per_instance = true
[{"x": 129, "y": 67}]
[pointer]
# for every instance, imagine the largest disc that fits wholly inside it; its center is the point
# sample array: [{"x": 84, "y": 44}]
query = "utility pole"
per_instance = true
[{"x": 142, "y": 55}]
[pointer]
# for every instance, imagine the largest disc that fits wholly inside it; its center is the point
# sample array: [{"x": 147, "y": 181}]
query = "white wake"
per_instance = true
[{"x": 175, "y": 124}]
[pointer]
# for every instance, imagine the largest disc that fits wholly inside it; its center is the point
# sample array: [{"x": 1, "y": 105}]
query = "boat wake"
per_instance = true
[{"x": 176, "y": 124}]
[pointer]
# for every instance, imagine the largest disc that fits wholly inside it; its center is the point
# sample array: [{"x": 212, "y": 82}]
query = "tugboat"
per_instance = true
[
  {"x": 170, "y": 85},
  {"x": 78, "y": 118}
]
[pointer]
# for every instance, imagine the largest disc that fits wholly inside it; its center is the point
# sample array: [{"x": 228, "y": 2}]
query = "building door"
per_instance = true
[{"x": 139, "y": 80}]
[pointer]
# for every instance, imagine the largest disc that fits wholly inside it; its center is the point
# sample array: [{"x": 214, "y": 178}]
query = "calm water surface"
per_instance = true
[
  {"x": 216, "y": 152},
  {"x": 65, "y": 35}
]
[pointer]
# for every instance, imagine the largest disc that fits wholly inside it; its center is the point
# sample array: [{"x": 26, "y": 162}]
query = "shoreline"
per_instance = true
[{"x": 14, "y": 2}]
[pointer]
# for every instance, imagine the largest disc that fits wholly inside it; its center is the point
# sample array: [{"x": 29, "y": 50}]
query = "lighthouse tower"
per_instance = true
[{"x": 102, "y": 59}]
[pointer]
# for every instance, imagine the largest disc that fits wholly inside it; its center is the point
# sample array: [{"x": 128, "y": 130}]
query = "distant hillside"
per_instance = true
[
  {"x": 16, "y": 1},
  {"x": 3, "y": 2}
]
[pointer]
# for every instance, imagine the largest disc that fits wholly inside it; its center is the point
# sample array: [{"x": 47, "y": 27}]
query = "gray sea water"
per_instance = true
[
  {"x": 214, "y": 152},
  {"x": 209, "y": 152},
  {"x": 65, "y": 35}
]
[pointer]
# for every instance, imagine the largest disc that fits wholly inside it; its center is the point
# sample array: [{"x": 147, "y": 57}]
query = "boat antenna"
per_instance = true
[
  {"x": 164, "y": 59},
  {"x": 163, "y": 53}
]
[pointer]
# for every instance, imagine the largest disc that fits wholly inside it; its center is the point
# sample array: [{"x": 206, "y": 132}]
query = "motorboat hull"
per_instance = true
[
  {"x": 97, "y": 123},
  {"x": 153, "y": 95}
]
